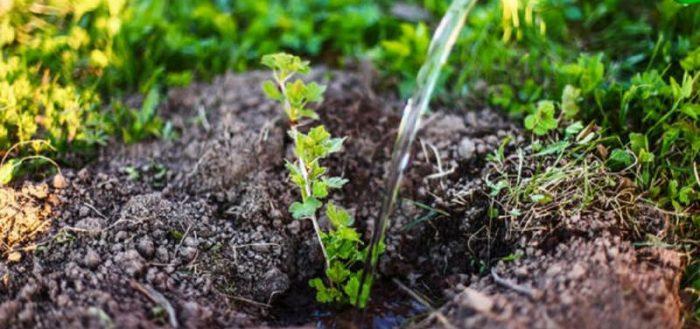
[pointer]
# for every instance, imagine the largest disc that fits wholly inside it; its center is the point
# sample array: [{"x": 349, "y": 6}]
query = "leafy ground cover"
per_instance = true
[{"x": 607, "y": 85}]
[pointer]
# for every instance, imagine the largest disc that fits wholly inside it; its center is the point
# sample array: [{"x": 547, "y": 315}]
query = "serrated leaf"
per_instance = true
[
  {"x": 542, "y": 121},
  {"x": 319, "y": 189},
  {"x": 323, "y": 293},
  {"x": 334, "y": 145},
  {"x": 338, "y": 216},
  {"x": 314, "y": 92},
  {"x": 620, "y": 159},
  {"x": 352, "y": 289},
  {"x": 305, "y": 210},
  {"x": 295, "y": 174},
  {"x": 335, "y": 182},
  {"x": 337, "y": 272},
  {"x": 348, "y": 233},
  {"x": 319, "y": 134},
  {"x": 272, "y": 91},
  {"x": 308, "y": 113}
]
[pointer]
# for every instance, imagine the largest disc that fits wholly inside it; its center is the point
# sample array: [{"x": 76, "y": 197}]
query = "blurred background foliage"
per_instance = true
[{"x": 68, "y": 67}]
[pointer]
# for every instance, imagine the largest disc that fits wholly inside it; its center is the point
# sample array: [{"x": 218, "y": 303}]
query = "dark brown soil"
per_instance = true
[{"x": 194, "y": 232}]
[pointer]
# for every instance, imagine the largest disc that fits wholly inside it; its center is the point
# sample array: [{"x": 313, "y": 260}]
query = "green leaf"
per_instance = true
[
  {"x": 337, "y": 273},
  {"x": 272, "y": 91},
  {"x": 570, "y": 96},
  {"x": 496, "y": 188},
  {"x": 352, "y": 289},
  {"x": 646, "y": 156},
  {"x": 334, "y": 145},
  {"x": 305, "y": 210},
  {"x": 295, "y": 174},
  {"x": 686, "y": 195},
  {"x": 338, "y": 216},
  {"x": 323, "y": 293},
  {"x": 308, "y": 113},
  {"x": 554, "y": 148},
  {"x": 620, "y": 159},
  {"x": 319, "y": 189},
  {"x": 638, "y": 142},
  {"x": 573, "y": 129},
  {"x": 285, "y": 63},
  {"x": 542, "y": 121},
  {"x": 319, "y": 134},
  {"x": 541, "y": 198},
  {"x": 692, "y": 61},
  {"x": 348, "y": 233},
  {"x": 7, "y": 171},
  {"x": 691, "y": 110},
  {"x": 335, "y": 182},
  {"x": 314, "y": 92}
]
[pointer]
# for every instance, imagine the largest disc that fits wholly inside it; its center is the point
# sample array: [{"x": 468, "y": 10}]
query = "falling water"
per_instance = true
[{"x": 440, "y": 48}]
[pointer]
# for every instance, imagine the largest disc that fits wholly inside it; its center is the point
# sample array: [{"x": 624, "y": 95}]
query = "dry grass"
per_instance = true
[
  {"x": 536, "y": 194},
  {"x": 23, "y": 215}
]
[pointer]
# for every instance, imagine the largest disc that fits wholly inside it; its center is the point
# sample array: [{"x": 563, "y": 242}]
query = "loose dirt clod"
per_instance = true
[{"x": 205, "y": 225}]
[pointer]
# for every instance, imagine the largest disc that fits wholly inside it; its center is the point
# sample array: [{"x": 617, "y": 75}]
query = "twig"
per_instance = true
[
  {"x": 250, "y": 301},
  {"x": 533, "y": 294},
  {"x": 95, "y": 210},
  {"x": 157, "y": 298},
  {"x": 421, "y": 299}
]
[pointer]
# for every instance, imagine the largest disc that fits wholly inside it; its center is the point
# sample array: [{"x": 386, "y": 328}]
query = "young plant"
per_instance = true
[{"x": 340, "y": 244}]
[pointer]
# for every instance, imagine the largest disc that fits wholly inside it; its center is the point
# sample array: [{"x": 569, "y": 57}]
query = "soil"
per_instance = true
[{"x": 194, "y": 232}]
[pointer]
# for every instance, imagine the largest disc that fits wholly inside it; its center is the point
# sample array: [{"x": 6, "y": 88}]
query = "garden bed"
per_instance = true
[{"x": 194, "y": 232}]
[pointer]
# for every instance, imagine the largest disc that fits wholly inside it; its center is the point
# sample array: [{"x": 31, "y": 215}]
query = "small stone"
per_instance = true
[
  {"x": 476, "y": 300},
  {"x": 84, "y": 211},
  {"x": 146, "y": 247},
  {"x": 190, "y": 242},
  {"x": 59, "y": 182},
  {"x": 131, "y": 262},
  {"x": 272, "y": 282},
  {"x": 188, "y": 253},
  {"x": 162, "y": 255},
  {"x": 92, "y": 225},
  {"x": 577, "y": 272},
  {"x": 121, "y": 235},
  {"x": 554, "y": 270},
  {"x": 8, "y": 311},
  {"x": 466, "y": 148},
  {"x": 92, "y": 259},
  {"x": 294, "y": 227}
]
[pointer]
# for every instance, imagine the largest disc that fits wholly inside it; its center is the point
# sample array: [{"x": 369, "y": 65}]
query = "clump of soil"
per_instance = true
[
  {"x": 194, "y": 232},
  {"x": 598, "y": 283}
]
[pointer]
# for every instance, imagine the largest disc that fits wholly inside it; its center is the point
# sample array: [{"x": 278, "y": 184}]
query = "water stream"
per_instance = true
[{"x": 440, "y": 48}]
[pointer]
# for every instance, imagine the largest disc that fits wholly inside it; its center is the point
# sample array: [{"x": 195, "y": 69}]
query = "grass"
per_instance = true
[{"x": 629, "y": 71}]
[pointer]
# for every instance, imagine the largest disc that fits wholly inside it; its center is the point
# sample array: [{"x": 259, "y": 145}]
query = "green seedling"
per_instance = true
[{"x": 341, "y": 243}]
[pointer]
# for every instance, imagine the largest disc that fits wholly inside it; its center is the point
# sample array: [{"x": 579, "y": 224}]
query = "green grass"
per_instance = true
[{"x": 629, "y": 69}]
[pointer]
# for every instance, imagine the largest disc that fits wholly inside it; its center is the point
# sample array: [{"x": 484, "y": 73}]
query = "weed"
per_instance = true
[{"x": 341, "y": 244}]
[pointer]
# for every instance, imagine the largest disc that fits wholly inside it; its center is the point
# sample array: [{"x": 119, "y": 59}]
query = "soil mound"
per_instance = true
[{"x": 194, "y": 232}]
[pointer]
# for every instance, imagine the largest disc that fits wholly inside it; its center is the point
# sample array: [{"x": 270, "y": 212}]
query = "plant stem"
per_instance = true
[
  {"x": 307, "y": 187},
  {"x": 304, "y": 174}
]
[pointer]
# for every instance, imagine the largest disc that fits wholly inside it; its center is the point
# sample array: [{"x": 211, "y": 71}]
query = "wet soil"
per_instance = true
[{"x": 194, "y": 232}]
